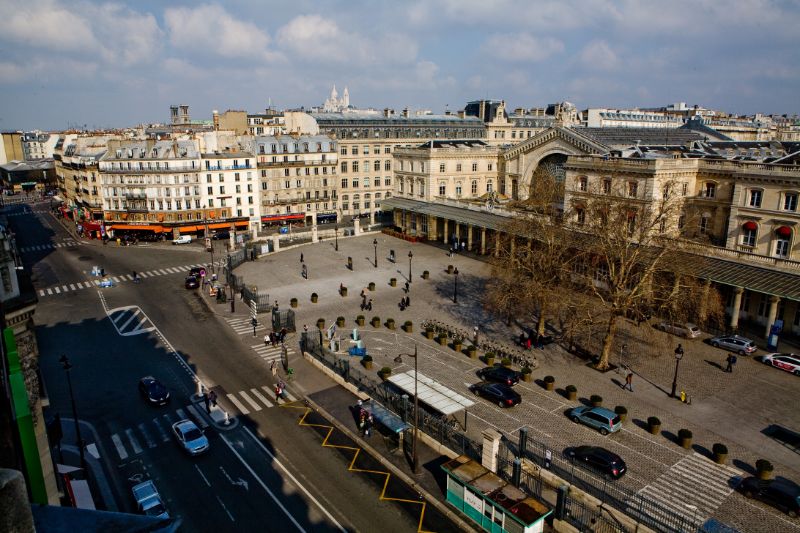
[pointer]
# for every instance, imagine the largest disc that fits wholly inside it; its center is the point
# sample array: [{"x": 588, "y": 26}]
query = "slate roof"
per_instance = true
[{"x": 625, "y": 137}]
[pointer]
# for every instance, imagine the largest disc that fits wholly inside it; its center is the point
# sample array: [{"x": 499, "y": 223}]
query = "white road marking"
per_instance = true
[
  {"x": 261, "y": 397},
  {"x": 134, "y": 443},
  {"x": 181, "y": 414},
  {"x": 202, "y": 475},
  {"x": 148, "y": 440},
  {"x": 289, "y": 395},
  {"x": 49, "y": 291},
  {"x": 242, "y": 409},
  {"x": 226, "y": 509},
  {"x": 72, "y": 286},
  {"x": 249, "y": 400},
  {"x": 119, "y": 446},
  {"x": 161, "y": 430}
]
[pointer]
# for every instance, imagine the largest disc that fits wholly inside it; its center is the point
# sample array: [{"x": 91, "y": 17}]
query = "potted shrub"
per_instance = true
[
  {"x": 293, "y": 302},
  {"x": 622, "y": 412},
  {"x": 371, "y": 286},
  {"x": 685, "y": 438},
  {"x": 425, "y": 274},
  {"x": 390, "y": 323},
  {"x": 393, "y": 282},
  {"x": 360, "y": 320},
  {"x": 367, "y": 362},
  {"x": 549, "y": 382},
  {"x": 457, "y": 343},
  {"x": 764, "y": 469},
  {"x": 572, "y": 392},
  {"x": 384, "y": 372},
  {"x": 443, "y": 339},
  {"x": 489, "y": 358},
  {"x": 595, "y": 400},
  {"x": 314, "y": 297},
  {"x": 472, "y": 352},
  {"x": 408, "y": 326},
  {"x": 321, "y": 323},
  {"x": 653, "y": 425},
  {"x": 720, "y": 453},
  {"x": 376, "y": 322},
  {"x": 339, "y": 321},
  {"x": 505, "y": 362},
  {"x": 429, "y": 332},
  {"x": 526, "y": 373}
]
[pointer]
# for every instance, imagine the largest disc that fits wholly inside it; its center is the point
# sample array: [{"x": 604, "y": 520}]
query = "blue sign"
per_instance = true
[{"x": 284, "y": 229}]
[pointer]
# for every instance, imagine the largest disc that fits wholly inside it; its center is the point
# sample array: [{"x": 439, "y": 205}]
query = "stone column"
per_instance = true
[
  {"x": 737, "y": 303},
  {"x": 372, "y": 218},
  {"x": 469, "y": 237},
  {"x": 445, "y": 236},
  {"x": 483, "y": 241},
  {"x": 314, "y": 235},
  {"x": 771, "y": 314},
  {"x": 458, "y": 234},
  {"x": 432, "y": 235},
  {"x": 497, "y": 244},
  {"x": 276, "y": 242},
  {"x": 491, "y": 445},
  {"x": 356, "y": 227}
]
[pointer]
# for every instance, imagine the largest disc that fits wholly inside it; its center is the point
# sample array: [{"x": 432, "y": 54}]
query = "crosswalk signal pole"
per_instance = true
[{"x": 253, "y": 314}]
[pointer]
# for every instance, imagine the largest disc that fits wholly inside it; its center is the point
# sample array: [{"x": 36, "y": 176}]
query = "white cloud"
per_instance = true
[
  {"x": 211, "y": 29},
  {"x": 599, "y": 55},
  {"x": 522, "y": 47},
  {"x": 45, "y": 24}
]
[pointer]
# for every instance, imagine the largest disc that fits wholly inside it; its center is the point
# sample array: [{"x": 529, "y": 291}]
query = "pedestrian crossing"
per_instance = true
[
  {"x": 49, "y": 246},
  {"x": 254, "y": 400},
  {"x": 270, "y": 353},
  {"x": 132, "y": 441},
  {"x": 693, "y": 488},
  {"x": 93, "y": 283},
  {"x": 244, "y": 326}
]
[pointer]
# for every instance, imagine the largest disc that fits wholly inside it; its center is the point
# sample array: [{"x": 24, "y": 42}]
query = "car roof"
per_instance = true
[
  {"x": 602, "y": 411},
  {"x": 185, "y": 424},
  {"x": 599, "y": 451}
]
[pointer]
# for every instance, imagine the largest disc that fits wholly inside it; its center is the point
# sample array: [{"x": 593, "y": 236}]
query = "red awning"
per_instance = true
[
  {"x": 750, "y": 225},
  {"x": 784, "y": 231}
]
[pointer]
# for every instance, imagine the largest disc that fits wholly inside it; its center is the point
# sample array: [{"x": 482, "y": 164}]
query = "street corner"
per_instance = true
[{"x": 214, "y": 416}]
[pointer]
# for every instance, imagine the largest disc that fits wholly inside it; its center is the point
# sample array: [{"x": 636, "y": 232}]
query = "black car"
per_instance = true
[
  {"x": 499, "y": 374},
  {"x": 221, "y": 235},
  {"x": 191, "y": 282},
  {"x": 599, "y": 459},
  {"x": 501, "y": 394},
  {"x": 153, "y": 391},
  {"x": 778, "y": 493},
  {"x": 196, "y": 271}
]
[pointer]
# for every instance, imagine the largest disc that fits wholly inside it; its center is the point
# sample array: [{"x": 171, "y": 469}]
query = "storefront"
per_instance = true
[
  {"x": 282, "y": 219},
  {"x": 327, "y": 218}
]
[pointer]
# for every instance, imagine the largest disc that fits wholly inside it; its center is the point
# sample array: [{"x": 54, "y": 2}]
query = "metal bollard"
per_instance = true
[
  {"x": 227, "y": 418},
  {"x": 200, "y": 388}
]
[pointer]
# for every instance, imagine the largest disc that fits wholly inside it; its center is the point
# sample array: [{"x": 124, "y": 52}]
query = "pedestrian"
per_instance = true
[
  {"x": 212, "y": 397},
  {"x": 283, "y": 334},
  {"x": 527, "y": 342},
  {"x": 408, "y": 301},
  {"x": 463, "y": 246},
  {"x": 406, "y": 287},
  {"x": 522, "y": 339},
  {"x": 278, "y": 392},
  {"x": 731, "y": 360},
  {"x": 274, "y": 338},
  {"x": 305, "y": 328},
  {"x": 267, "y": 340},
  {"x": 449, "y": 251},
  {"x": 369, "y": 305},
  {"x": 363, "y": 294},
  {"x": 628, "y": 382},
  {"x": 206, "y": 401},
  {"x": 540, "y": 341},
  {"x": 274, "y": 307},
  {"x": 362, "y": 420},
  {"x": 402, "y": 304},
  {"x": 301, "y": 257},
  {"x": 475, "y": 335},
  {"x": 274, "y": 369},
  {"x": 368, "y": 424}
]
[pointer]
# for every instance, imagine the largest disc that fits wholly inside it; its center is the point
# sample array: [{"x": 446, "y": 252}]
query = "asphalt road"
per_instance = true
[{"x": 264, "y": 473}]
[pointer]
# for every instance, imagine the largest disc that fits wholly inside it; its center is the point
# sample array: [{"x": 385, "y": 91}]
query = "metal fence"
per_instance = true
[{"x": 261, "y": 299}]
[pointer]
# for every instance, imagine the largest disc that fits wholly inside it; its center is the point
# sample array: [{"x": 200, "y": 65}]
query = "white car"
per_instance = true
[
  {"x": 183, "y": 239},
  {"x": 190, "y": 437},
  {"x": 682, "y": 329},
  {"x": 790, "y": 362}
]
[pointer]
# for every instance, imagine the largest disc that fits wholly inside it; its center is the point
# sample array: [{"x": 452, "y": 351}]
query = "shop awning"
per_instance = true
[{"x": 157, "y": 229}]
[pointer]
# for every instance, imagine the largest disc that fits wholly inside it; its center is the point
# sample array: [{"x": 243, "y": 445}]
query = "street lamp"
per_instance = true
[
  {"x": 678, "y": 357},
  {"x": 416, "y": 410},
  {"x": 64, "y": 360},
  {"x": 336, "y": 233},
  {"x": 209, "y": 244},
  {"x": 410, "y": 255},
  {"x": 455, "y": 286},
  {"x": 375, "y": 244}
]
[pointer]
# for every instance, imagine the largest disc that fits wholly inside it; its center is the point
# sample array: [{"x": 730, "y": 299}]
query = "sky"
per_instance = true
[{"x": 115, "y": 64}]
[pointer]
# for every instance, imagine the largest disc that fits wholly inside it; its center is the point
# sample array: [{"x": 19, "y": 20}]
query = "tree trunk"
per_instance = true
[
  {"x": 608, "y": 341},
  {"x": 542, "y": 314}
]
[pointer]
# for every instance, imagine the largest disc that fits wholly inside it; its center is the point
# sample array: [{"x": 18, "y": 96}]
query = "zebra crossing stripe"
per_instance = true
[
  {"x": 196, "y": 415},
  {"x": 181, "y": 414},
  {"x": 123, "y": 454},
  {"x": 41, "y": 292},
  {"x": 72, "y": 286},
  {"x": 249, "y": 400},
  {"x": 260, "y": 397},
  {"x": 134, "y": 443},
  {"x": 49, "y": 291},
  {"x": 65, "y": 288},
  {"x": 242, "y": 409},
  {"x": 289, "y": 395},
  {"x": 162, "y": 272},
  {"x": 161, "y": 431},
  {"x": 147, "y": 438}
]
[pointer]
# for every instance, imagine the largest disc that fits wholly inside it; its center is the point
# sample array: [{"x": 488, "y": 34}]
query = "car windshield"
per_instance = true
[
  {"x": 156, "y": 388},
  {"x": 155, "y": 510},
  {"x": 192, "y": 434}
]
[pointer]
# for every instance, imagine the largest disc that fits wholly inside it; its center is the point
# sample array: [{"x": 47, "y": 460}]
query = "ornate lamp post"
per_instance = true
[
  {"x": 410, "y": 255},
  {"x": 678, "y": 357},
  {"x": 64, "y": 360},
  {"x": 336, "y": 234},
  {"x": 375, "y": 244},
  {"x": 455, "y": 286}
]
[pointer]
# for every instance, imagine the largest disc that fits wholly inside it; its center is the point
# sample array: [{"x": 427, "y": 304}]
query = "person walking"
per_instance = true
[
  {"x": 212, "y": 397},
  {"x": 206, "y": 401},
  {"x": 274, "y": 369},
  {"x": 301, "y": 257},
  {"x": 628, "y": 382},
  {"x": 368, "y": 424},
  {"x": 278, "y": 392},
  {"x": 267, "y": 340},
  {"x": 731, "y": 360},
  {"x": 369, "y": 305}
]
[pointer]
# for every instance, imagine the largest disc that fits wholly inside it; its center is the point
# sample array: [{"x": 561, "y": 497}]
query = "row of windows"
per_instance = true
[
  {"x": 307, "y": 147},
  {"x": 148, "y": 180},
  {"x": 354, "y": 182},
  {"x": 236, "y": 177},
  {"x": 287, "y": 184},
  {"x": 376, "y": 166},
  {"x": 297, "y": 159},
  {"x": 167, "y": 192},
  {"x": 459, "y": 167},
  {"x": 376, "y": 149},
  {"x": 167, "y": 205},
  {"x": 150, "y": 165},
  {"x": 222, "y": 189},
  {"x": 788, "y": 200}
]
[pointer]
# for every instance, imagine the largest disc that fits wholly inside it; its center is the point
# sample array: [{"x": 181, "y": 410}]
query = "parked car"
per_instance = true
[
  {"x": 778, "y": 493},
  {"x": 153, "y": 391},
  {"x": 191, "y": 282},
  {"x": 501, "y": 394},
  {"x": 790, "y": 362},
  {"x": 183, "y": 239},
  {"x": 600, "y": 459},
  {"x": 190, "y": 437},
  {"x": 196, "y": 271},
  {"x": 682, "y": 329},
  {"x": 221, "y": 235},
  {"x": 734, "y": 343},
  {"x": 602, "y": 419},
  {"x": 499, "y": 374},
  {"x": 148, "y": 500},
  {"x": 106, "y": 283}
]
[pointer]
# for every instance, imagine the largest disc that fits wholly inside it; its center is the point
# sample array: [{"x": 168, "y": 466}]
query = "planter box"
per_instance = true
[
  {"x": 429, "y": 333},
  {"x": 293, "y": 302},
  {"x": 686, "y": 443},
  {"x": 720, "y": 458},
  {"x": 360, "y": 322},
  {"x": 490, "y": 361},
  {"x": 425, "y": 275},
  {"x": 343, "y": 291},
  {"x": 449, "y": 269},
  {"x": 472, "y": 353},
  {"x": 764, "y": 474},
  {"x": 393, "y": 282},
  {"x": 548, "y": 386},
  {"x": 443, "y": 341},
  {"x": 390, "y": 324},
  {"x": 572, "y": 395},
  {"x": 376, "y": 323},
  {"x": 457, "y": 346},
  {"x": 314, "y": 299},
  {"x": 527, "y": 378},
  {"x": 408, "y": 328},
  {"x": 367, "y": 364},
  {"x": 597, "y": 404},
  {"x": 383, "y": 375},
  {"x": 340, "y": 323},
  {"x": 371, "y": 286},
  {"x": 654, "y": 430}
]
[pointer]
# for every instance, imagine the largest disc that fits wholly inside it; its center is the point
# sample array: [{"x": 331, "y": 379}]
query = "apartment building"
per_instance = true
[{"x": 77, "y": 158}]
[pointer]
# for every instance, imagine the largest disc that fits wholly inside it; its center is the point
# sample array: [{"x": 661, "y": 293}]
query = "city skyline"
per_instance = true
[{"x": 103, "y": 64}]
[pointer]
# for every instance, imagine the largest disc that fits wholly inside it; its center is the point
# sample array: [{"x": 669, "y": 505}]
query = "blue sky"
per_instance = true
[{"x": 115, "y": 64}]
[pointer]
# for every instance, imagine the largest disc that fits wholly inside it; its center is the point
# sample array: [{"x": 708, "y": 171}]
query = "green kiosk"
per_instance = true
[{"x": 491, "y": 502}]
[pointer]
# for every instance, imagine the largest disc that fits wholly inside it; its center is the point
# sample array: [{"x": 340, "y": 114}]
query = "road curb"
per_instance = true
[{"x": 430, "y": 498}]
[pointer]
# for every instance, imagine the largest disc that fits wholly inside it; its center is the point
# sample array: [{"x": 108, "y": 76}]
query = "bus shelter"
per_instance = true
[
  {"x": 493, "y": 504},
  {"x": 432, "y": 393}
]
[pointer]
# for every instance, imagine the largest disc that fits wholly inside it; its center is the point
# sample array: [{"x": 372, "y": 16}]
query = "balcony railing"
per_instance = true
[
  {"x": 136, "y": 170},
  {"x": 228, "y": 167},
  {"x": 741, "y": 254}
]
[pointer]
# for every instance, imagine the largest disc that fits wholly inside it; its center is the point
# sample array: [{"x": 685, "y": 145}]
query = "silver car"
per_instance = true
[
  {"x": 682, "y": 329},
  {"x": 190, "y": 437},
  {"x": 734, "y": 343}
]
